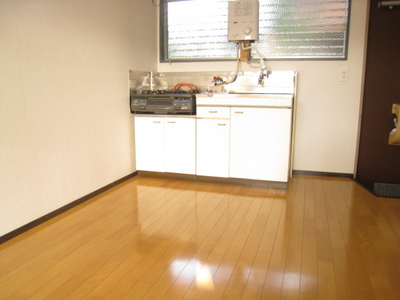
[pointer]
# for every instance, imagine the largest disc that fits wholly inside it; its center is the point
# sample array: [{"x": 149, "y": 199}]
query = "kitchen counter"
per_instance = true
[{"x": 245, "y": 100}]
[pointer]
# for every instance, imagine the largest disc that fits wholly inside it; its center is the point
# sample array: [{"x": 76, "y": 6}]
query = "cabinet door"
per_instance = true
[
  {"x": 149, "y": 144},
  {"x": 213, "y": 147},
  {"x": 180, "y": 145},
  {"x": 260, "y": 143}
]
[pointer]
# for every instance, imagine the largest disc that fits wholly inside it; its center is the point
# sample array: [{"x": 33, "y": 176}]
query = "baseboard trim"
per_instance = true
[
  {"x": 34, "y": 223},
  {"x": 329, "y": 174}
]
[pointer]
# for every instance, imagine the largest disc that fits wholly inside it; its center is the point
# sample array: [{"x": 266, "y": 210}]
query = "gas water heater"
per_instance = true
[{"x": 243, "y": 20}]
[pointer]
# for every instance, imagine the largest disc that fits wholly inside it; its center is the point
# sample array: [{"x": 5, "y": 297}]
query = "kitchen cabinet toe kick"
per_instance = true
[{"x": 218, "y": 180}]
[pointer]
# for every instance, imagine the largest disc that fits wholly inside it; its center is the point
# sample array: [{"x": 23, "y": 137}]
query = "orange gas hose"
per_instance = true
[{"x": 178, "y": 85}]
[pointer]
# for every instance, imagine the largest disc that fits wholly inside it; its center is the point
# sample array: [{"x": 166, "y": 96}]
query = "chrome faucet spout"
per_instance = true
[{"x": 261, "y": 77}]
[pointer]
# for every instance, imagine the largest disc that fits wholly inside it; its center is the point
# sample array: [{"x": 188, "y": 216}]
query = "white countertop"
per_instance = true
[{"x": 245, "y": 100}]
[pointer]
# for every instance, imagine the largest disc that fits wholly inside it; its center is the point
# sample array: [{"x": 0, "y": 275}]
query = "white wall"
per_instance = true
[
  {"x": 327, "y": 109},
  {"x": 65, "y": 127}
]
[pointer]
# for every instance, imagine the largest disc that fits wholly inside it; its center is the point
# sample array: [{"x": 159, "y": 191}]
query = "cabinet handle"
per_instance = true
[
  {"x": 212, "y": 111},
  {"x": 221, "y": 124},
  {"x": 156, "y": 121},
  {"x": 171, "y": 122},
  {"x": 238, "y": 112}
]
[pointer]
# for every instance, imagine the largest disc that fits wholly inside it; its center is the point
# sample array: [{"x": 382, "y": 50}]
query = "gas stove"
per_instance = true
[{"x": 163, "y": 102}]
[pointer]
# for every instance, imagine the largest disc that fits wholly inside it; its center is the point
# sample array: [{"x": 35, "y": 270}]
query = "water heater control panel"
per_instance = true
[{"x": 243, "y": 20}]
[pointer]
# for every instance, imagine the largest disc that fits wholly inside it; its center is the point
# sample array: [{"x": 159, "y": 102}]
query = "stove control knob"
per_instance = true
[{"x": 247, "y": 30}]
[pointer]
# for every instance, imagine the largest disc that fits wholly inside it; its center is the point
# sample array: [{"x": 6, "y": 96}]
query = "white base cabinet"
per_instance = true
[
  {"x": 244, "y": 142},
  {"x": 149, "y": 143},
  {"x": 213, "y": 147},
  {"x": 260, "y": 143},
  {"x": 180, "y": 145},
  {"x": 165, "y": 144}
]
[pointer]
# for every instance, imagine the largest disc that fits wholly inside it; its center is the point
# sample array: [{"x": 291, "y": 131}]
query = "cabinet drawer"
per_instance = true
[{"x": 213, "y": 112}]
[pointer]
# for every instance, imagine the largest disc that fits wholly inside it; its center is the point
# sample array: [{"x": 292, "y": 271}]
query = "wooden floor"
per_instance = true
[{"x": 148, "y": 238}]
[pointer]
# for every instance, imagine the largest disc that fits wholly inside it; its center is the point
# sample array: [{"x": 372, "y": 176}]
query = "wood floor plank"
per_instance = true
[
  {"x": 258, "y": 274},
  {"x": 275, "y": 273},
  {"x": 292, "y": 278},
  {"x": 327, "y": 288},
  {"x": 309, "y": 261}
]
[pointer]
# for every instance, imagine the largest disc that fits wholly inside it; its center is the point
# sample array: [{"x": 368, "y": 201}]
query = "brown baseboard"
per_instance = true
[
  {"x": 62, "y": 209},
  {"x": 316, "y": 173}
]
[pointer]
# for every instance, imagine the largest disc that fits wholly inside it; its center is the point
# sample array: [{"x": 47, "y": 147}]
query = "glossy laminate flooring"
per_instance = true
[{"x": 152, "y": 238}]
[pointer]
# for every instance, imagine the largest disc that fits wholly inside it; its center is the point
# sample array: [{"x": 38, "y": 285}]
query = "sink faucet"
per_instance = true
[{"x": 263, "y": 74}]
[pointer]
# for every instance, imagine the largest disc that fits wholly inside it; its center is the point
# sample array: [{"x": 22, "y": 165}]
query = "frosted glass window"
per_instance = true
[{"x": 288, "y": 29}]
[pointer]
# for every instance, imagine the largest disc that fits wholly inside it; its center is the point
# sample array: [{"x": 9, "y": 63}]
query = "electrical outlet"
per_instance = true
[{"x": 344, "y": 74}]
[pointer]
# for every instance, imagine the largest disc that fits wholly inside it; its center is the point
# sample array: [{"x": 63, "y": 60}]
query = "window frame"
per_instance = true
[{"x": 164, "y": 42}]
